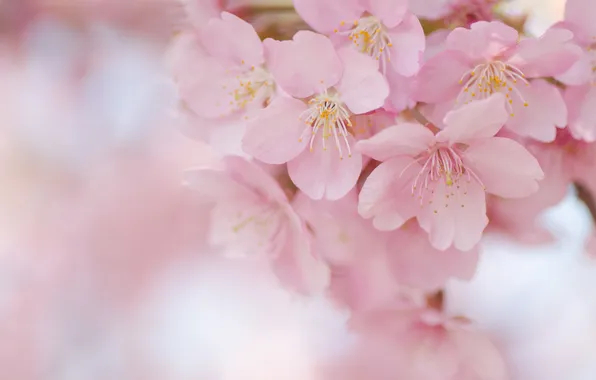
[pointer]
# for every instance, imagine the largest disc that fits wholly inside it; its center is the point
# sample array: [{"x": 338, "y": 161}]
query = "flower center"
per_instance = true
[
  {"x": 328, "y": 116},
  {"x": 254, "y": 85},
  {"x": 258, "y": 226},
  {"x": 443, "y": 166},
  {"x": 370, "y": 37},
  {"x": 491, "y": 77}
]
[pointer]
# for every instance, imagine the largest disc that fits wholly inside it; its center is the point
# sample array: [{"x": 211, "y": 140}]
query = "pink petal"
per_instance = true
[
  {"x": 304, "y": 66},
  {"x": 326, "y": 16},
  {"x": 430, "y": 9},
  {"x": 408, "y": 43},
  {"x": 362, "y": 87},
  {"x": 484, "y": 40},
  {"x": 545, "y": 112},
  {"x": 456, "y": 217},
  {"x": 581, "y": 13},
  {"x": 390, "y": 12},
  {"x": 551, "y": 54},
  {"x": 439, "y": 78},
  {"x": 505, "y": 167},
  {"x": 404, "y": 139},
  {"x": 233, "y": 40},
  {"x": 415, "y": 263},
  {"x": 479, "y": 119},
  {"x": 386, "y": 195},
  {"x": 581, "y": 101},
  {"x": 322, "y": 173},
  {"x": 215, "y": 185},
  {"x": 253, "y": 177},
  {"x": 275, "y": 136},
  {"x": 580, "y": 73},
  {"x": 400, "y": 91},
  {"x": 296, "y": 266}
]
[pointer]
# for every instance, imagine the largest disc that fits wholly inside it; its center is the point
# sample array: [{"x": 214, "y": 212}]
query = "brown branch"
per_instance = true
[{"x": 584, "y": 194}]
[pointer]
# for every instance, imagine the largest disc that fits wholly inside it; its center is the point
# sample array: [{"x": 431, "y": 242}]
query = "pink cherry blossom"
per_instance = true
[
  {"x": 251, "y": 216},
  {"x": 489, "y": 58},
  {"x": 383, "y": 29},
  {"x": 422, "y": 345},
  {"x": 220, "y": 70},
  {"x": 442, "y": 179},
  {"x": 326, "y": 92},
  {"x": 580, "y": 93},
  {"x": 455, "y": 12},
  {"x": 357, "y": 255}
]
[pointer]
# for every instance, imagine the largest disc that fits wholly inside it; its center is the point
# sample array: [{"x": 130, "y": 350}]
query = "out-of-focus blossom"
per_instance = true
[
  {"x": 455, "y": 12},
  {"x": 420, "y": 345},
  {"x": 489, "y": 58},
  {"x": 441, "y": 179},
  {"x": 251, "y": 216},
  {"x": 325, "y": 92},
  {"x": 580, "y": 93}
]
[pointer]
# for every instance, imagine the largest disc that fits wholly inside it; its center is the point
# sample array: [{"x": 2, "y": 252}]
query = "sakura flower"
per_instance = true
[
  {"x": 442, "y": 179},
  {"x": 415, "y": 263},
  {"x": 251, "y": 216},
  {"x": 455, "y": 12},
  {"x": 356, "y": 253},
  {"x": 327, "y": 87},
  {"x": 581, "y": 77},
  {"x": 383, "y": 29},
  {"x": 221, "y": 69},
  {"x": 488, "y": 58},
  {"x": 421, "y": 345}
]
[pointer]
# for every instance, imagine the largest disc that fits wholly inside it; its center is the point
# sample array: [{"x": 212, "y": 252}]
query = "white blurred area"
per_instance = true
[{"x": 101, "y": 276}]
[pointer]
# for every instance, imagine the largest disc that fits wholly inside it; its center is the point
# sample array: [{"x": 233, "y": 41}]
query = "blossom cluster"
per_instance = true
[{"x": 367, "y": 156}]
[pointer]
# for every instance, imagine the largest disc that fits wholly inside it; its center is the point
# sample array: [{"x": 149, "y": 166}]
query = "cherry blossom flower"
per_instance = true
[
  {"x": 383, "y": 29},
  {"x": 580, "y": 79},
  {"x": 442, "y": 179},
  {"x": 489, "y": 58},
  {"x": 251, "y": 216},
  {"x": 421, "y": 344},
  {"x": 455, "y": 12},
  {"x": 326, "y": 92}
]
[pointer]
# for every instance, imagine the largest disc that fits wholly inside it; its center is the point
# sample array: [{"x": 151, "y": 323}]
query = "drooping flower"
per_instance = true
[
  {"x": 442, "y": 179},
  {"x": 489, "y": 58},
  {"x": 312, "y": 130},
  {"x": 422, "y": 344},
  {"x": 580, "y": 79},
  {"x": 251, "y": 216}
]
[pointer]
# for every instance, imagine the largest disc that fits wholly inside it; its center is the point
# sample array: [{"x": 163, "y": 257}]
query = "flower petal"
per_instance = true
[
  {"x": 581, "y": 13},
  {"x": 456, "y": 217},
  {"x": 304, "y": 66},
  {"x": 232, "y": 40},
  {"x": 275, "y": 136},
  {"x": 404, "y": 139},
  {"x": 505, "y": 167},
  {"x": 408, "y": 44},
  {"x": 415, "y": 263},
  {"x": 362, "y": 87},
  {"x": 439, "y": 78},
  {"x": 323, "y": 173},
  {"x": 484, "y": 40},
  {"x": 479, "y": 119},
  {"x": 390, "y": 12},
  {"x": 400, "y": 91},
  {"x": 386, "y": 195},
  {"x": 326, "y": 16},
  {"x": 545, "y": 111},
  {"x": 551, "y": 54},
  {"x": 581, "y": 102}
]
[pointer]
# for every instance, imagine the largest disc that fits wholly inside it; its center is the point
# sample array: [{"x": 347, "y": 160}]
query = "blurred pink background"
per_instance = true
[{"x": 102, "y": 269}]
